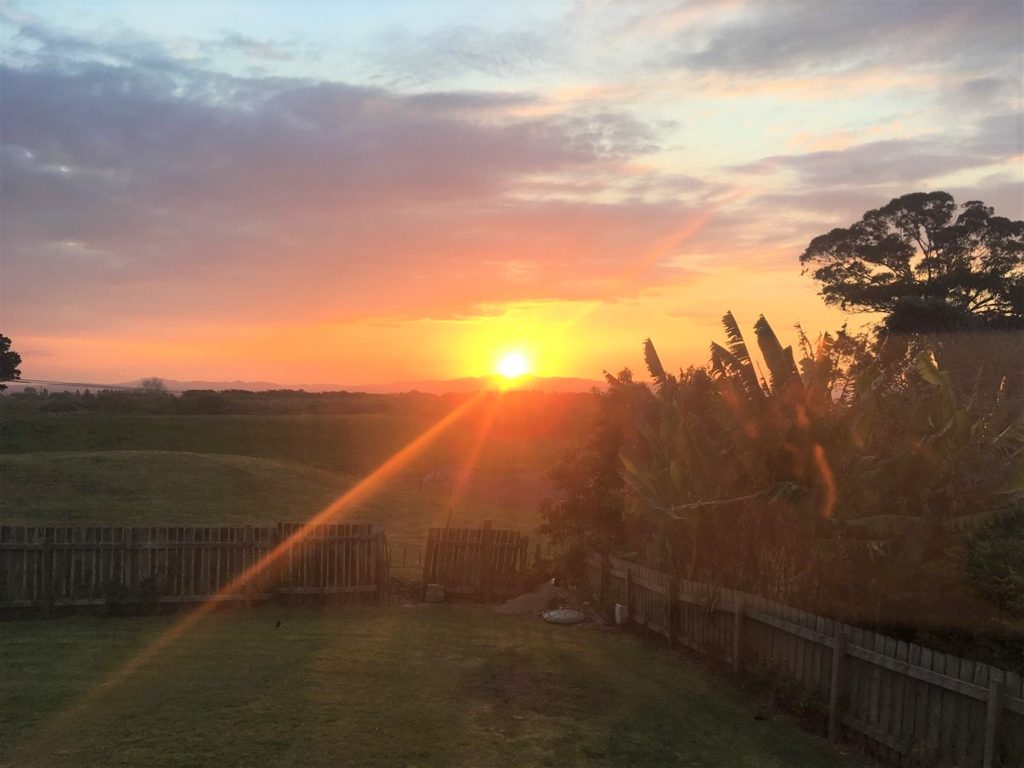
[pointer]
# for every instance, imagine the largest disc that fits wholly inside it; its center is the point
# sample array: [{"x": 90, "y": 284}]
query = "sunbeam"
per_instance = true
[{"x": 340, "y": 506}]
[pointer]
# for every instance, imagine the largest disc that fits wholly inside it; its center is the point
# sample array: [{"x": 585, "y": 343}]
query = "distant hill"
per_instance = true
[
  {"x": 476, "y": 383},
  {"x": 433, "y": 387}
]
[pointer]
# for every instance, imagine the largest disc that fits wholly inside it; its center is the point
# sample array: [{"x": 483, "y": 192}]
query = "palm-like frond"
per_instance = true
[
  {"x": 654, "y": 366},
  {"x": 735, "y": 361},
  {"x": 781, "y": 366}
]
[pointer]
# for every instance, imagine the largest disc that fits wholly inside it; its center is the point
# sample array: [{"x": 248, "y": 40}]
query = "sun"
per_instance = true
[{"x": 513, "y": 365}]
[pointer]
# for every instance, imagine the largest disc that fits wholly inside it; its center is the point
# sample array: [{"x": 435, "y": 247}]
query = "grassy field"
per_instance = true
[
  {"x": 352, "y": 444},
  {"x": 404, "y": 686},
  {"x": 228, "y": 470},
  {"x": 176, "y": 488}
]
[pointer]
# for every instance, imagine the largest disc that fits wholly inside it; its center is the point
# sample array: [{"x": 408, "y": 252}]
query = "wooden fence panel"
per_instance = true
[
  {"x": 45, "y": 567},
  {"x": 903, "y": 703},
  {"x": 475, "y": 562}
]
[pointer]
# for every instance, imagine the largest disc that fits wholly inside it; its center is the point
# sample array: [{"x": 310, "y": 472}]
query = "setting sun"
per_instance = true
[{"x": 513, "y": 365}]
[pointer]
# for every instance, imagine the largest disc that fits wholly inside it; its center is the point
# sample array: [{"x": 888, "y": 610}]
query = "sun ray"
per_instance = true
[
  {"x": 461, "y": 480},
  {"x": 341, "y": 505}
]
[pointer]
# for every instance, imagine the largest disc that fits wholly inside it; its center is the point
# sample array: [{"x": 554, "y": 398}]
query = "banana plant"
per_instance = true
[
  {"x": 711, "y": 441},
  {"x": 929, "y": 462}
]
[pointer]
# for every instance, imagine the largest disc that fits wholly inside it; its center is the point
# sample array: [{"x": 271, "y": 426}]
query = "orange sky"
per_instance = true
[{"x": 357, "y": 195}]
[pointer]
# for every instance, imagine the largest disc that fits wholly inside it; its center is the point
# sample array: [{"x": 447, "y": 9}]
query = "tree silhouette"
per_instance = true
[
  {"x": 927, "y": 267},
  {"x": 154, "y": 385},
  {"x": 9, "y": 362}
]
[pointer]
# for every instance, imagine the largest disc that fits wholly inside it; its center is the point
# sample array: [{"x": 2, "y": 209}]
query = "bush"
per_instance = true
[{"x": 995, "y": 562}]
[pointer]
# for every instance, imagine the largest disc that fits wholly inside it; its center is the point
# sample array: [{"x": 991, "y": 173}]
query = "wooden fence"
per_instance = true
[
  {"x": 46, "y": 566},
  {"x": 483, "y": 563},
  {"x": 906, "y": 704}
]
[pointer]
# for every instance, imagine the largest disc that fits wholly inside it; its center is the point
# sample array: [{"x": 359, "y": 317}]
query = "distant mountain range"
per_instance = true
[{"x": 432, "y": 387}]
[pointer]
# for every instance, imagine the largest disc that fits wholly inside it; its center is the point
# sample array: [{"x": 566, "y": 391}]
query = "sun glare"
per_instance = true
[{"x": 513, "y": 365}]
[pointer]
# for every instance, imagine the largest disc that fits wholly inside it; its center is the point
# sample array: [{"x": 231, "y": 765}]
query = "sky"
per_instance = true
[{"x": 359, "y": 193}]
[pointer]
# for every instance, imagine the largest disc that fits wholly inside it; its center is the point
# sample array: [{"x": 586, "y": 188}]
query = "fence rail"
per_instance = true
[
  {"x": 906, "y": 704},
  {"x": 48, "y": 566},
  {"x": 476, "y": 562}
]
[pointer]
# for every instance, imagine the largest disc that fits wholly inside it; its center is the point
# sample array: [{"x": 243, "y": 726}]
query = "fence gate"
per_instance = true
[{"x": 483, "y": 563}]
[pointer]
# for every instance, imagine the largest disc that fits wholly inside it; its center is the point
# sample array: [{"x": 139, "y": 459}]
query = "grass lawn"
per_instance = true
[
  {"x": 350, "y": 444},
  {"x": 422, "y": 686},
  {"x": 233, "y": 470},
  {"x": 176, "y": 488}
]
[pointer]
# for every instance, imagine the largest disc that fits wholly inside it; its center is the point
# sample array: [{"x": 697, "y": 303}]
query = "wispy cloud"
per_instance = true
[{"x": 616, "y": 153}]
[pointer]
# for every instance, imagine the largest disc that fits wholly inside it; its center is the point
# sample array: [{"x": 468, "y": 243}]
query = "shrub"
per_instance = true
[{"x": 995, "y": 562}]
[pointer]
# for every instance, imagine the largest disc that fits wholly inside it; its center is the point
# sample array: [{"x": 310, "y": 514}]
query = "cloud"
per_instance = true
[
  {"x": 983, "y": 93},
  {"x": 771, "y": 37},
  {"x": 138, "y": 187},
  {"x": 995, "y": 139},
  {"x": 454, "y": 51},
  {"x": 233, "y": 42},
  {"x": 170, "y": 190}
]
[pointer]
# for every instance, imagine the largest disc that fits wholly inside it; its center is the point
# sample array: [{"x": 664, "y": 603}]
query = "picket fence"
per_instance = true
[
  {"x": 905, "y": 704},
  {"x": 47, "y": 566}
]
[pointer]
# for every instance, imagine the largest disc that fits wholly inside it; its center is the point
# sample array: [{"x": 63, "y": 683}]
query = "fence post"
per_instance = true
[
  {"x": 276, "y": 569},
  {"x": 605, "y": 565},
  {"x": 248, "y": 564},
  {"x": 47, "y": 570},
  {"x": 995, "y": 704},
  {"x": 382, "y": 559},
  {"x": 486, "y": 557},
  {"x": 836, "y": 688},
  {"x": 737, "y": 634},
  {"x": 428, "y": 553},
  {"x": 629, "y": 589},
  {"x": 670, "y": 609}
]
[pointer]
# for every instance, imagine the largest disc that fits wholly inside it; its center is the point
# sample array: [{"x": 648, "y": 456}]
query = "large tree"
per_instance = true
[
  {"x": 9, "y": 362},
  {"x": 928, "y": 267}
]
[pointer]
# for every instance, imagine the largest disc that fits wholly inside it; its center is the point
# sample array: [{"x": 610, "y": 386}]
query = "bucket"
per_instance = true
[{"x": 621, "y": 614}]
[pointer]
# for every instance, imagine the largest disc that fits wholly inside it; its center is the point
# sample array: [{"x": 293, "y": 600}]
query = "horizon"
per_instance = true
[
  {"x": 464, "y": 385},
  {"x": 380, "y": 194}
]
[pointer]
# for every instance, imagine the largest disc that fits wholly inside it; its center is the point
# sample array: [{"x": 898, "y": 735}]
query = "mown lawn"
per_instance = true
[
  {"x": 143, "y": 488},
  {"x": 234, "y": 470},
  {"x": 351, "y": 444},
  {"x": 402, "y": 686}
]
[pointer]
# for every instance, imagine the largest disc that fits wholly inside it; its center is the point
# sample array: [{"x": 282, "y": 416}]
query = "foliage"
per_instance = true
[
  {"x": 9, "y": 362},
  {"x": 154, "y": 385},
  {"x": 727, "y": 465},
  {"x": 995, "y": 562},
  {"x": 589, "y": 512},
  {"x": 824, "y": 475},
  {"x": 925, "y": 266}
]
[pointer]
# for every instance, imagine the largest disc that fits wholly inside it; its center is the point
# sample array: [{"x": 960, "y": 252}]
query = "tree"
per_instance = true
[
  {"x": 9, "y": 362},
  {"x": 154, "y": 385},
  {"x": 927, "y": 267},
  {"x": 590, "y": 511}
]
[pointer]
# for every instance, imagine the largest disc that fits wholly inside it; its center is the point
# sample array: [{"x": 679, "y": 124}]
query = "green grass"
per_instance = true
[
  {"x": 425, "y": 686},
  {"x": 175, "y": 488},
  {"x": 224, "y": 470},
  {"x": 352, "y": 444}
]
